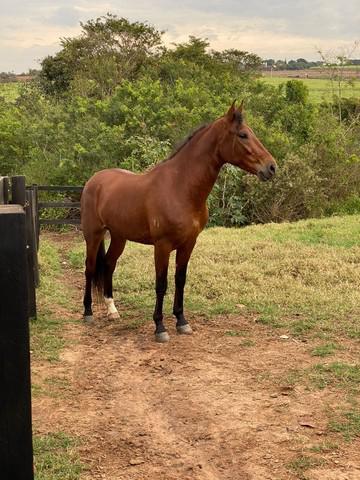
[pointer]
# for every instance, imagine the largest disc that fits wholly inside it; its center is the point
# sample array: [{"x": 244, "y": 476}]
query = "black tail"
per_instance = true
[{"x": 98, "y": 278}]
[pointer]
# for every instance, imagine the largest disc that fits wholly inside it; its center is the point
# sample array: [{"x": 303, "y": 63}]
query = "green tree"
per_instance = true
[
  {"x": 296, "y": 92},
  {"x": 108, "y": 50}
]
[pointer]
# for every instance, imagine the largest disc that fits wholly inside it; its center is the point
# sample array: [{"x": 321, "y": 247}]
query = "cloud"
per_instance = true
[
  {"x": 68, "y": 16},
  {"x": 277, "y": 29}
]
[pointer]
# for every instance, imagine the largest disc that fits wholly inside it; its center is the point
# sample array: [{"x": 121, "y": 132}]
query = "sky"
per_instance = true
[{"x": 279, "y": 29}]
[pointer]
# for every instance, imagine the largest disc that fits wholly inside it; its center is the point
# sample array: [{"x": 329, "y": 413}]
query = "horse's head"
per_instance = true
[{"x": 240, "y": 146}]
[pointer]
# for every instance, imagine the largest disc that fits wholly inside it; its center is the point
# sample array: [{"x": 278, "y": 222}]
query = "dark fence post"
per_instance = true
[
  {"x": 32, "y": 270},
  {"x": 34, "y": 189},
  {"x": 4, "y": 190},
  {"x": 18, "y": 196},
  {"x": 36, "y": 231},
  {"x": 16, "y": 456}
]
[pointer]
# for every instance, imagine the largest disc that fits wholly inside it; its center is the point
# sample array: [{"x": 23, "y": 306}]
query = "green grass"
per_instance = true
[
  {"x": 56, "y": 458},
  {"x": 343, "y": 380},
  {"x": 348, "y": 424},
  {"x": 336, "y": 374},
  {"x": 9, "y": 91},
  {"x": 54, "y": 302},
  {"x": 325, "y": 350},
  {"x": 302, "y": 463},
  {"x": 319, "y": 89},
  {"x": 236, "y": 333},
  {"x": 302, "y": 277},
  {"x": 46, "y": 339},
  {"x": 324, "y": 447},
  {"x": 55, "y": 454}
]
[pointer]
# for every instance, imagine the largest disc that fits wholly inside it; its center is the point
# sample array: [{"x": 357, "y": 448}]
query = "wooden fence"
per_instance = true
[
  {"x": 17, "y": 290},
  {"x": 38, "y": 205},
  {"x": 20, "y": 222}
]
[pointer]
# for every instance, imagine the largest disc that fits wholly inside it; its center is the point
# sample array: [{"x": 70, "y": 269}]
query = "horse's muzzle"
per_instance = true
[{"x": 267, "y": 172}]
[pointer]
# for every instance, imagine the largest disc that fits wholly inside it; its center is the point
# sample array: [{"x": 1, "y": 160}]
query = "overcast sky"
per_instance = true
[{"x": 30, "y": 30}]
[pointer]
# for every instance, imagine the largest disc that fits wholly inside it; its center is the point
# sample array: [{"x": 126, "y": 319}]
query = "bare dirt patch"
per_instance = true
[{"x": 209, "y": 406}]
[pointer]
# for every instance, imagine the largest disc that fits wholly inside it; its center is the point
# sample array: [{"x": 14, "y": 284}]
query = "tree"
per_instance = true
[
  {"x": 108, "y": 50},
  {"x": 239, "y": 59},
  {"x": 296, "y": 92},
  {"x": 335, "y": 62}
]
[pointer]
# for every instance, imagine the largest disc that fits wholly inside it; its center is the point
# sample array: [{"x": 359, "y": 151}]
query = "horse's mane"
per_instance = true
[{"x": 182, "y": 144}]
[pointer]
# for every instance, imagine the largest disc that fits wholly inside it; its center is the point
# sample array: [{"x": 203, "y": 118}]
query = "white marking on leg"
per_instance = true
[{"x": 110, "y": 305}]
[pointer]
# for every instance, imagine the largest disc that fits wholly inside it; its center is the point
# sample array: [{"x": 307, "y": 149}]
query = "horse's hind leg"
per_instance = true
[
  {"x": 115, "y": 249},
  {"x": 93, "y": 243}
]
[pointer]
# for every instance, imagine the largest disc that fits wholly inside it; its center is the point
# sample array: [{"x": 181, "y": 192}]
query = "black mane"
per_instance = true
[{"x": 182, "y": 144}]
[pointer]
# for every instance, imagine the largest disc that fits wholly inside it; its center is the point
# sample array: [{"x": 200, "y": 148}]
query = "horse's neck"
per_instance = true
[{"x": 197, "y": 167}]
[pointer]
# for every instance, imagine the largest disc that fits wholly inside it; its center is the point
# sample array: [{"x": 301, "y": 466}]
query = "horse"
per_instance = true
[{"x": 164, "y": 207}]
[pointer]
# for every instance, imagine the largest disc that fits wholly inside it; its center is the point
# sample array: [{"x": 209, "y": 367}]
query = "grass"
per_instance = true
[
  {"x": 345, "y": 380},
  {"x": 325, "y": 350},
  {"x": 46, "y": 338},
  {"x": 302, "y": 463},
  {"x": 55, "y": 454},
  {"x": 348, "y": 424},
  {"x": 56, "y": 458},
  {"x": 9, "y": 91},
  {"x": 302, "y": 277},
  {"x": 236, "y": 333},
  {"x": 324, "y": 447},
  {"x": 319, "y": 89},
  {"x": 336, "y": 374}
]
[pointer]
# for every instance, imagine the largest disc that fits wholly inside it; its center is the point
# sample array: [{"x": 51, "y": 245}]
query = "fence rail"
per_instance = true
[
  {"x": 58, "y": 188},
  {"x": 59, "y": 205},
  {"x": 66, "y": 204}
]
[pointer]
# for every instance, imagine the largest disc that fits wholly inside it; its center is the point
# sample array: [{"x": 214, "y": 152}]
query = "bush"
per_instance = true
[{"x": 83, "y": 118}]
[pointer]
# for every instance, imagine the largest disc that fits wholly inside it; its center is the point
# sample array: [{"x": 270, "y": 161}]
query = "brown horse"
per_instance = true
[{"x": 164, "y": 207}]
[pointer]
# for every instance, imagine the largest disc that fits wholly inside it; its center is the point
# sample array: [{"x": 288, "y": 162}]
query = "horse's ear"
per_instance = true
[
  {"x": 231, "y": 112},
  {"x": 241, "y": 108}
]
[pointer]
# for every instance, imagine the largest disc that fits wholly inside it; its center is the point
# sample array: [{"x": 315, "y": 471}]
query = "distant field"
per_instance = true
[
  {"x": 352, "y": 72},
  {"x": 320, "y": 89},
  {"x": 9, "y": 91},
  {"x": 346, "y": 67}
]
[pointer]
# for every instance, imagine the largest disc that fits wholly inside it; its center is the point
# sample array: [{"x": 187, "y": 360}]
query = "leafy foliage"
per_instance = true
[{"x": 116, "y": 97}]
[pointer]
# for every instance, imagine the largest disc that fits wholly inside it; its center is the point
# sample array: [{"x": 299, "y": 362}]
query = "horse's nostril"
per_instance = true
[{"x": 272, "y": 169}]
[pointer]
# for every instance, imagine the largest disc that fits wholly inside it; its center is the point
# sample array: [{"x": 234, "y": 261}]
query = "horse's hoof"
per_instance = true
[
  {"x": 113, "y": 316},
  {"x": 88, "y": 319},
  {"x": 184, "y": 329},
  {"x": 162, "y": 337}
]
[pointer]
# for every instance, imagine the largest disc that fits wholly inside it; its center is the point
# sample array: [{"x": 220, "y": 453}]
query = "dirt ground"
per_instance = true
[{"x": 205, "y": 407}]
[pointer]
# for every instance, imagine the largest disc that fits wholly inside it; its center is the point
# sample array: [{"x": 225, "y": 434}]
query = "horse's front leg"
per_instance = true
[
  {"x": 162, "y": 254},
  {"x": 182, "y": 259}
]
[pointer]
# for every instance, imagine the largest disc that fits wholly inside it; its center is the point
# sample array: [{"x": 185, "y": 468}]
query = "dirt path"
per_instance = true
[{"x": 210, "y": 406}]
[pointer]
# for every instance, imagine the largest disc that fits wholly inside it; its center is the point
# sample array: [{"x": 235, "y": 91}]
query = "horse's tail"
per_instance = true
[{"x": 99, "y": 274}]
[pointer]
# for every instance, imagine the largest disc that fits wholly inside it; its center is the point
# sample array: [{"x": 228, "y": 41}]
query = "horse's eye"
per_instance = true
[{"x": 243, "y": 135}]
